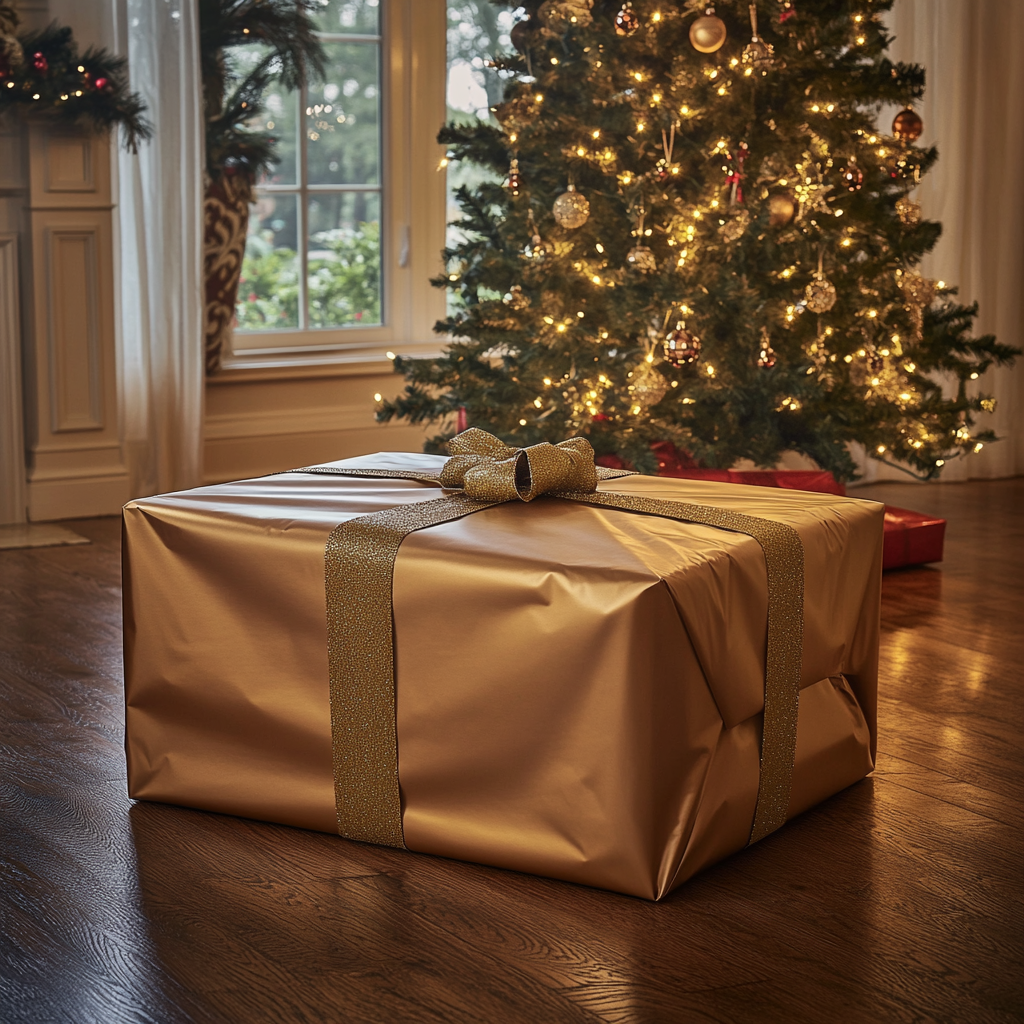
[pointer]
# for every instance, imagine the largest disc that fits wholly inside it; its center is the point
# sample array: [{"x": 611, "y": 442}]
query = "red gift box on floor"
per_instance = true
[{"x": 911, "y": 538}]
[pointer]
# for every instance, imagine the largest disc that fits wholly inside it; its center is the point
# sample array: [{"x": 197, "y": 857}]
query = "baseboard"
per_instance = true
[{"x": 77, "y": 497}]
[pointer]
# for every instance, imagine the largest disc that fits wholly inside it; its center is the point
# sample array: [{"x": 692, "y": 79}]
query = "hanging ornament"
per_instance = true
[
  {"x": 781, "y": 209},
  {"x": 641, "y": 258},
  {"x": 734, "y": 174},
  {"x": 918, "y": 293},
  {"x": 734, "y": 228},
  {"x": 646, "y": 386},
  {"x": 707, "y": 33},
  {"x": 787, "y": 12},
  {"x": 757, "y": 54},
  {"x": 766, "y": 354},
  {"x": 908, "y": 211},
  {"x": 626, "y": 21},
  {"x": 536, "y": 248},
  {"x": 521, "y": 35},
  {"x": 682, "y": 348},
  {"x": 514, "y": 181},
  {"x": 907, "y": 125},
  {"x": 571, "y": 209},
  {"x": 39, "y": 62},
  {"x": 558, "y": 16},
  {"x": 516, "y": 299},
  {"x": 851, "y": 176},
  {"x": 668, "y": 144}
]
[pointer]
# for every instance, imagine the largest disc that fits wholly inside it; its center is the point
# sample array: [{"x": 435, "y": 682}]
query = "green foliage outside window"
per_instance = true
[{"x": 344, "y": 281}]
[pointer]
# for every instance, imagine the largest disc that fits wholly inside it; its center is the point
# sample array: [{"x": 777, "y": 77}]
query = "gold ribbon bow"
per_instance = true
[
  {"x": 486, "y": 469},
  {"x": 483, "y": 471}
]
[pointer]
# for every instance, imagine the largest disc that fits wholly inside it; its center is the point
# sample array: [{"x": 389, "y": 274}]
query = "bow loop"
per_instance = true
[{"x": 487, "y": 469}]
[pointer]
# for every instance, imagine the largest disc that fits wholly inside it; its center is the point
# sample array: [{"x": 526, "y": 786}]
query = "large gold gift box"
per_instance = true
[{"x": 578, "y": 690}]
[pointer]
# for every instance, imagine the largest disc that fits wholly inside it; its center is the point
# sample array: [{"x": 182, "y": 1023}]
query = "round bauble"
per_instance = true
[
  {"x": 536, "y": 248},
  {"x": 682, "y": 348},
  {"x": 647, "y": 386},
  {"x": 521, "y": 35},
  {"x": 516, "y": 299},
  {"x": 758, "y": 54},
  {"x": 907, "y": 125},
  {"x": 852, "y": 177},
  {"x": 707, "y": 33},
  {"x": 781, "y": 209},
  {"x": 641, "y": 258},
  {"x": 820, "y": 294},
  {"x": 571, "y": 209},
  {"x": 626, "y": 21},
  {"x": 918, "y": 289},
  {"x": 39, "y": 62}
]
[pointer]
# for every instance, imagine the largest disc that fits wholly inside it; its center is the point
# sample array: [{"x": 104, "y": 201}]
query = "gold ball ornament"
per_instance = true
[
  {"x": 820, "y": 294},
  {"x": 571, "y": 209},
  {"x": 734, "y": 229},
  {"x": 641, "y": 258},
  {"x": 758, "y": 54},
  {"x": 707, "y": 33},
  {"x": 626, "y": 21},
  {"x": 647, "y": 387},
  {"x": 918, "y": 289},
  {"x": 907, "y": 125},
  {"x": 781, "y": 209},
  {"x": 681, "y": 347},
  {"x": 516, "y": 299},
  {"x": 908, "y": 211}
]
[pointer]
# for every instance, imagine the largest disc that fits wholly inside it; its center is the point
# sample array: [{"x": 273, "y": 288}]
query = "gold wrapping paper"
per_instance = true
[{"x": 615, "y": 739}]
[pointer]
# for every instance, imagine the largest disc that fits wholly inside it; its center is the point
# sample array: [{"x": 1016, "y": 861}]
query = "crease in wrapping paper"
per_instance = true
[{"x": 612, "y": 768}]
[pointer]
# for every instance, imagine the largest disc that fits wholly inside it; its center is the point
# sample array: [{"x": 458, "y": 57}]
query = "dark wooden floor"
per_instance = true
[{"x": 898, "y": 900}]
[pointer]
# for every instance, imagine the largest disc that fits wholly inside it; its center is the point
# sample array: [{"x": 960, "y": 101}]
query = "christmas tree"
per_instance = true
[{"x": 703, "y": 238}]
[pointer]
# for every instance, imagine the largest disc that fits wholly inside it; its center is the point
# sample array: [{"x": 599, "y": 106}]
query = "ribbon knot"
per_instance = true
[{"x": 487, "y": 469}]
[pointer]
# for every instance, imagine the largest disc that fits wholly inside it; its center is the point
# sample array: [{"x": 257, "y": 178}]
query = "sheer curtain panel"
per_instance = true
[{"x": 161, "y": 201}]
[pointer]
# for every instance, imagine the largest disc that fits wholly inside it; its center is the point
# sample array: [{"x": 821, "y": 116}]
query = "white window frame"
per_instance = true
[{"x": 413, "y": 81}]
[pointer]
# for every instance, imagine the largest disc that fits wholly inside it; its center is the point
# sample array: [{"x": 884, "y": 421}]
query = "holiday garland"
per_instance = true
[{"x": 43, "y": 75}]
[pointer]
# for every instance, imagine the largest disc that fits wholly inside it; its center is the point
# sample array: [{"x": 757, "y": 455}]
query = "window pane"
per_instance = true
[
  {"x": 281, "y": 118},
  {"x": 349, "y": 16},
  {"x": 343, "y": 118},
  {"x": 344, "y": 259},
  {"x": 268, "y": 293}
]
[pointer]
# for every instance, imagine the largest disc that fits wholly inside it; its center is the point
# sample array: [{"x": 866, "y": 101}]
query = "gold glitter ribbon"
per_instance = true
[{"x": 359, "y": 566}]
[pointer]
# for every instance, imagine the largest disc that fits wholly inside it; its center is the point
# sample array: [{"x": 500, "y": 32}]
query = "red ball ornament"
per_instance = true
[
  {"x": 101, "y": 82},
  {"x": 852, "y": 177},
  {"x": 39, "y": 61},
  {"x": 907, "y": 125},
  {"x": 626, "y": 21},
  {"x": 681, "y": 347}
]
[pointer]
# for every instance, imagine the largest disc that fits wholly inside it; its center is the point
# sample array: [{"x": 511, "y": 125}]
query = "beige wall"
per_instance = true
[{"x": 260, "y": 425}]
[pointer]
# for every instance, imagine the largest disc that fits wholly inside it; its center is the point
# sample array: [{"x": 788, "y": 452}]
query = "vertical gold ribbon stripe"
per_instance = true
[
  {"x": 359, "y": 568},
  {"x": 784, "y": 560}
]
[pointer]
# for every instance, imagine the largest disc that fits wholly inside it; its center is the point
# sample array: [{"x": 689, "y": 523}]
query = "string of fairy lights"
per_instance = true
[{"x": 631, "y": 155}]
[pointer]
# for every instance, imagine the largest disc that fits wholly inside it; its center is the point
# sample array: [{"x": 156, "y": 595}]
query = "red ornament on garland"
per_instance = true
[
  {"x": 626, "y": 21},
  {"x": 101, "y": 82},
  {"x": 39, "y": 62}
]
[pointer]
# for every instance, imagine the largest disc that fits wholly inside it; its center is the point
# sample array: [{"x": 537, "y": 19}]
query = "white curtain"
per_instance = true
[
  {"x": 160, "y": 195},
  {"x": 973, "y": 110}
]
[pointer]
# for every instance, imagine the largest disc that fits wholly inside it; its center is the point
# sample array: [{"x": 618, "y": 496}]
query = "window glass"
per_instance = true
[
  {"x": 349, "y": 17},
  {"x": 313, "y": 253},
  {"x": 343, "y": 118}
]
